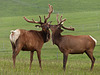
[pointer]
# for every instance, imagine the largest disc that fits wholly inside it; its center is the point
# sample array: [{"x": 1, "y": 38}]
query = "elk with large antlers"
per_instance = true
[
  {"x": 69, "y": 44},
  {"x": 31, "y": 40}
]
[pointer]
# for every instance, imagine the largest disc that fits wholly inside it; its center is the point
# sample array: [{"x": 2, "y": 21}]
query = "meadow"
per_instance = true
[{"x": 83, "y": 15}]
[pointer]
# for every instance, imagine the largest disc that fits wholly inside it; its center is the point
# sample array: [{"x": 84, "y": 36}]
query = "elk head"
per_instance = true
[
  {"x": 44, "y": 25},
  {"x": 57, "y": 28}
]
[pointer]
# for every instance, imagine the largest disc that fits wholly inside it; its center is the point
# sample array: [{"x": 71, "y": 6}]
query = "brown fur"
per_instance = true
[
  {"x": 30, "y": 41},
  {"x": 69, "y": 44}
]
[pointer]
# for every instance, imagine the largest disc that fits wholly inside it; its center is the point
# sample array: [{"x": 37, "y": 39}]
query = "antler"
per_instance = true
[
  {"x": 61, "y": 21},
  {"x": 38, "y": 22},
  {"x": 45, "y": 19},
  {"x": 72, "y": 29},
  {"x": 57, "y": 18},
  {"x": 50, "y": 11}
]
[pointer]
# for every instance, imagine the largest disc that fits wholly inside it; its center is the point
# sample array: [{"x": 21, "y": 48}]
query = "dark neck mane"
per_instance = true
[
  {"x": 45, "y": 35},
  {"x": 56, "y": 38}
]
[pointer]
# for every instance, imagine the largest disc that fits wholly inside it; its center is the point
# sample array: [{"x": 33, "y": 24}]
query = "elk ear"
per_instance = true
[{"x": 50, "y": 22}]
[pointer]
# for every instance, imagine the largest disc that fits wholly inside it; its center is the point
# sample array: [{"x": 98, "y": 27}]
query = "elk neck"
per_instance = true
[
  {"x": 45, "y": 35},
  {"x": 56, "y": 38}
]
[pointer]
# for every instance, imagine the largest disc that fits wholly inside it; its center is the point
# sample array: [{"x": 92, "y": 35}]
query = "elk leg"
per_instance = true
[
  {"x": 64, "y": 61},
  {"x": 39, "y": 58},
  {"x": 13, "y": 46},
  {"x": 15, "y": 53},
  {"x": 31, "y": 58},
  {"x": 14, "y": 58},
  {"x": 90, "y": 55}
]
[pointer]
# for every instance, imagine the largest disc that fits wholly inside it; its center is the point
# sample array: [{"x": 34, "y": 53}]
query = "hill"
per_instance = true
[{"x": 33, "y": 7}]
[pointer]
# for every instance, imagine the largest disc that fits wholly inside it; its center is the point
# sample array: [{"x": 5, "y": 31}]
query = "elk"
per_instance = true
[
  {"x": 31, "y": 40},
  {"x": 69, "y": 44}
]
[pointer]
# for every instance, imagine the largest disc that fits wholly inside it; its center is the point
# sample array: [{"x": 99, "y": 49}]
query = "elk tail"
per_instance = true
[{"x": 93, "y": 39}]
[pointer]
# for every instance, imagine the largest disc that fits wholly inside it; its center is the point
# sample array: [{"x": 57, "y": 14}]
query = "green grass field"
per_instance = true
[{"x": 83, "y": 15}]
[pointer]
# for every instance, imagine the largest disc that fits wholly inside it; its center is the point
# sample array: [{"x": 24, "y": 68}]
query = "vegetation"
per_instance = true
[{"x": 84, "y": 15}]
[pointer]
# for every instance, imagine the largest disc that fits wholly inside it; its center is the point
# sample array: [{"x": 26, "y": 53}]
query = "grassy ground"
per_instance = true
[
  {"x": 83, "y": 15},
  {"x": 51, "y": 64}
]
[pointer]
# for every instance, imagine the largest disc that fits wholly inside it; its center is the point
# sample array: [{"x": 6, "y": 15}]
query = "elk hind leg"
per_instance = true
[
  {"x": 90, "y": 55},
  {"x": 15, "y": 53}
]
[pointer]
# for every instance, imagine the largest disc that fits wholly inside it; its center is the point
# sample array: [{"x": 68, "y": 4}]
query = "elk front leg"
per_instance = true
[
  {"x": 39, "y": 58},
  {"x": 31, "y": 58},
  {"x": 64, "y": 61}
]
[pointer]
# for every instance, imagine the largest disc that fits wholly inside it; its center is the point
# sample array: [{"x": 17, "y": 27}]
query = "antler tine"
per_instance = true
[
  {"x": 40, "y": 18},
  {"x": 61, "y": 18},
  {"x": 50, "y": 11},
  {"x": 72, "y": 29},
  {"x": 27, "y": 20},
  {"x": 33, "y": 20},
  {"x": 44, "y": 17},
  {"x": 62, "y": 21},
  {"x": 57, "y": 18}
]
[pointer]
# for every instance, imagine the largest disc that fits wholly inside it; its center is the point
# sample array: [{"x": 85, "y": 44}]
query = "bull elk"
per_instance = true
[
  {"x": 69, "y": 44},
  {"x": 31, "y": 40}
]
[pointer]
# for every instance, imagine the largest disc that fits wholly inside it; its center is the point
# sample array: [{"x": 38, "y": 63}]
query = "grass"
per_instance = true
[
  {"x": 51, "y": 64},
  {"x": 83, "y": 15}
]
